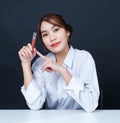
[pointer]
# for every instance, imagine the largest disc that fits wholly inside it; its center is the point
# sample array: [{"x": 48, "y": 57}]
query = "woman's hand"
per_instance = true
[
  {"x": 25, "y": 54},
  {"x": 49, "y": 65}
]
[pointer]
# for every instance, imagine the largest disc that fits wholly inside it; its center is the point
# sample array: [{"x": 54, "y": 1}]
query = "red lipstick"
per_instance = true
[
  {"x": 33, "y": 41},
  {"x": 55, "y": 44}
]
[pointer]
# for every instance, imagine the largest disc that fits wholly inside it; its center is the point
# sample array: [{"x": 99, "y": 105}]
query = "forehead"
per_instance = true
[{"x": 46, "y": 26}]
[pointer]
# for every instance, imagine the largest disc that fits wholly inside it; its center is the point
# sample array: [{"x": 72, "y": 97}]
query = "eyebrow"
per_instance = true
[{"x": 46, "y": 30}]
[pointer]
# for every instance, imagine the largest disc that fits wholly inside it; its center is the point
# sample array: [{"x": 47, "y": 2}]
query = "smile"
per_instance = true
[{"x": 55, "y": 44}]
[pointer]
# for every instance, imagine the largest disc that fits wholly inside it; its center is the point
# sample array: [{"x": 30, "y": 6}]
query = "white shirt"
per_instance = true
[{"x": 81, "y": 92}]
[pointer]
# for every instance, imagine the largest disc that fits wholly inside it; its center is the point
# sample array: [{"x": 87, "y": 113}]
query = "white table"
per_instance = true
[{"x": 59, "y": 116}]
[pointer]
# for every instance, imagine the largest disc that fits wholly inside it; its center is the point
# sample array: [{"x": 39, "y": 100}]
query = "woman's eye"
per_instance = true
[
  {"x": 44, "y": 35},
  {"x": 55, "y": 30}
]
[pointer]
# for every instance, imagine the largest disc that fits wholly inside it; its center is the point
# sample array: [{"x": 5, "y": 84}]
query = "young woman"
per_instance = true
[{"x": 63, "y": 79}]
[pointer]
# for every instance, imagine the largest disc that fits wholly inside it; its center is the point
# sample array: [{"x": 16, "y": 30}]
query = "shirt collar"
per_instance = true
[{"x": 69, "y": 58}]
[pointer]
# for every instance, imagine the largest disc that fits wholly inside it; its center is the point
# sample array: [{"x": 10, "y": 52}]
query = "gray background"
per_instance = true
[{"x": 96, "y": 26}]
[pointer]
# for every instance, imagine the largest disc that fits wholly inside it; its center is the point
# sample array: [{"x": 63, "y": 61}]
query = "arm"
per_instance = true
[
  {"x": 84, "y": 88},
  {"x": 33, "y": 92},
  {"x": 26, "y": 57},
  {"x": 50, "y": 65}
]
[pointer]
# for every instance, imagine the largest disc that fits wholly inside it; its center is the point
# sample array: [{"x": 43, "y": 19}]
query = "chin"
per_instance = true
[{"x": 56, "y": 50}]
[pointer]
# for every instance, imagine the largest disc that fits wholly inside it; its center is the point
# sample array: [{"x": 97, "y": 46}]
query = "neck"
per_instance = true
[{"x": 61, "y": 56}]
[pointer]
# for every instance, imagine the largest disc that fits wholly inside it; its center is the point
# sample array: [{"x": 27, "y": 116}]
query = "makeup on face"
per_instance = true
[{"x": 55, "y": 44}]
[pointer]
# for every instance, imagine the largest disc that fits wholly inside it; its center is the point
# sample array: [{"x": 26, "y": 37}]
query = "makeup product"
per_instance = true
[{"x": 33, "y": 41}]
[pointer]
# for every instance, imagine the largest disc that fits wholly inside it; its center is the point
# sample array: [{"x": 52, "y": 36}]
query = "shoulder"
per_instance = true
[
  {"x": 82, "y": 53},
  {"x": 83, "y": 56}
]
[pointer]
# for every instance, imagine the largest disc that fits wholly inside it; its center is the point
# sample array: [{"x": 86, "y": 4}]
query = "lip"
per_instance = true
[{"x": 55, "y": 44}]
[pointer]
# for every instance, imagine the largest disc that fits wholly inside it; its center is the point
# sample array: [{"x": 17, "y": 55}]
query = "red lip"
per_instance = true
[{"x": 55, "y": 44}]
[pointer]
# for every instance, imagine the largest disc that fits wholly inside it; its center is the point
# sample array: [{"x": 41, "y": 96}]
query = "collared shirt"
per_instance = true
[{"x": 81, "y": 92}]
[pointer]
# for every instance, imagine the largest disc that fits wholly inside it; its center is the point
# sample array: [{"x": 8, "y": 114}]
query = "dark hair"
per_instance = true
[{"x": 56, "y": 20}]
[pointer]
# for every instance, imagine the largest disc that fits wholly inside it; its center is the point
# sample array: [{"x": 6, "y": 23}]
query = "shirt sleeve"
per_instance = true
[
  {"x": 31, "y": 93},
  {"x": 35, "y": 93},
  {"x": 84, "y": 88}
]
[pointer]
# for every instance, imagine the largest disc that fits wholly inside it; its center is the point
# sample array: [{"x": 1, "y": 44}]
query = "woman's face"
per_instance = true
[{"x": 54, "y": 38}]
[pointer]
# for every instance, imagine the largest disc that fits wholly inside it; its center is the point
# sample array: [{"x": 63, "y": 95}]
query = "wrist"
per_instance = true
[
  {"x": 26, "y": 64},
  {"x": 62, "y": 70},
  {"x": 66, "y": 75}
]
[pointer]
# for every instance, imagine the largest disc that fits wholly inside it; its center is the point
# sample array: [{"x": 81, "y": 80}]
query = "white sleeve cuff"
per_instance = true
[
  {"x": 75, "y": 84},
  {"x": 31, "y": 93}
]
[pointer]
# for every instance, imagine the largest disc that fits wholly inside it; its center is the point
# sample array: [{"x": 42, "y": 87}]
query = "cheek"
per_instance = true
[
  {"x": 62, "y": 35},
  {"x": 46, "y": 43},
  {"x": 65, "y": 38}
]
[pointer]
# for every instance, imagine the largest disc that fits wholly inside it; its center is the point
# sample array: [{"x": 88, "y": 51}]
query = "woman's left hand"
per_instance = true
[{"x": 49, "y": 65}]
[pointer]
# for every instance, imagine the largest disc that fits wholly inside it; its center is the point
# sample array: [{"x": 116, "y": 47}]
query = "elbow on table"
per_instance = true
[
  {"x": 34, "y": 107},
  {"x": 90, "y": 109}
]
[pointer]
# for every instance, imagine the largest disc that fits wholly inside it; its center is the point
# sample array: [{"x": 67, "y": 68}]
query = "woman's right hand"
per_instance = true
[{"x": 25, "y": 54}]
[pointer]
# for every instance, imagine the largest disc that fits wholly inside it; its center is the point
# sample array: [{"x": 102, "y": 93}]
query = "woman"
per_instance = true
[{"x": 63, "y": 79}]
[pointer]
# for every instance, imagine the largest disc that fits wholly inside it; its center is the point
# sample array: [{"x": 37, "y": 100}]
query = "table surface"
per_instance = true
[{"x": 59, "y": 116}]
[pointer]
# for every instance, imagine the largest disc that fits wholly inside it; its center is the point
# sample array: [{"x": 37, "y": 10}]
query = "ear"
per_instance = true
[{"x": 68, "y": 34}]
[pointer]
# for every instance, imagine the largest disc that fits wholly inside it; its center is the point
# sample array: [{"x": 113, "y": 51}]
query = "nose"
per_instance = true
[{"x": 52, "y": 37}]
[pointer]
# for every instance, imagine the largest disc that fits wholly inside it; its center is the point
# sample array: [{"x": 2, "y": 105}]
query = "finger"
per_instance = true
[
  {"x": 49, "y": 69},
  {"x": 39, "y": 54},
  {"x": 32, "y": 49},
  {"x": 44, "y": 65},
  {"x": 27, "y": 51},
  {"x": 23, "y": 51},
  {"x": 29, "y": 45},
  {"x": 22, "y": 54}
]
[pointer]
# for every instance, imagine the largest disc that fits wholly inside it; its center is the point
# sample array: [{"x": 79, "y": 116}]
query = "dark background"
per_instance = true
[{"x": 96, "y": 26}]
